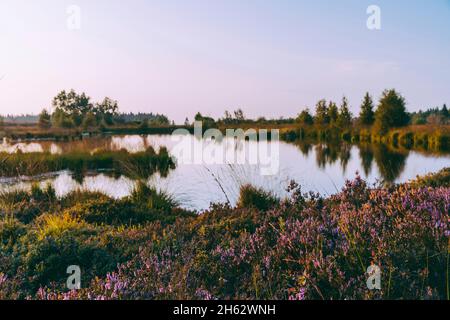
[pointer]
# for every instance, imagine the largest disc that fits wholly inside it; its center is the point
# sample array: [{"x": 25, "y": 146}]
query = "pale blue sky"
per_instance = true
[{"x": 269, "y": 58}]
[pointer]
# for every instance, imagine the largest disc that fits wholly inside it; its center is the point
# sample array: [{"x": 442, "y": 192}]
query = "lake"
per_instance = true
[{"x": 317, "y": 167}]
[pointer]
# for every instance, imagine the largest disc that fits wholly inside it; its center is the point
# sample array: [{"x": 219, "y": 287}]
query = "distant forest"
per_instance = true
[{"x": 121, "y": 117}]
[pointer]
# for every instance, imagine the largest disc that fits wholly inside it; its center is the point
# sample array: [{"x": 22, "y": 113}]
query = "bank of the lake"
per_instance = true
[{"x": 302, "y": 247}]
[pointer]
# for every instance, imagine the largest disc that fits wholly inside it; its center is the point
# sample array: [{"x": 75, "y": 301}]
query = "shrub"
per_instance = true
[
  {"x": 153, "y": 199},
  {"x": 10, "y": 231},
  {"x": 252, "y": 197}
]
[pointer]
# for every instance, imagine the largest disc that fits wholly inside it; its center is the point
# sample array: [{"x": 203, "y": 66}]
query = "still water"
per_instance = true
[{"x": 320, "y": 168}]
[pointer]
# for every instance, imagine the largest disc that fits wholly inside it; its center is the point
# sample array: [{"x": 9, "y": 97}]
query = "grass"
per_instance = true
[
  {"x": 252, "y": 197},
  {"x": 425, "y": 138},
  {"x": 34, "y": 132},
  {"x": 82, "y": 228},
  {"x": 142, "y": 164},
  {"x": 301, "y": 247}
]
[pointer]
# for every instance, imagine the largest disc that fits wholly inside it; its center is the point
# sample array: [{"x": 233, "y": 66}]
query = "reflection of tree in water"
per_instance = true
[
  {"x": 330, "y": 153},
  {"x": 325, "y": 154},
  {"x": 304, "y": 147},
  {"x": 390, "y": 163},
  {"x": 78, "y": 176},
  {"x": 366, "y": 155},
  {"x": 345, "y": 156}
]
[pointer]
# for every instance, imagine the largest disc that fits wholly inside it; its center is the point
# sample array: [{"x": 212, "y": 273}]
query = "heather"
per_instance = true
[
  {"x": 41, "y": 235},
  {"x": 302, "y": 247}
]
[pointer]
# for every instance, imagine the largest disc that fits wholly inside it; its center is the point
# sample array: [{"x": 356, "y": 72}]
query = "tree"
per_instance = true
[
  {"x": 72, "y": 103},
  {"x": 45, "y": 120},
  {"x": 418, "y": 118},
  {"x": 239, "y": 115},
  {"x": 332, "y": 112},
  {"x": 305, "y": 118},
  {"x": 391, "y": 112},
  {"x": 444, "y": 111},
  {"x": 143, "y": 125},
  {"x": 74, "y": 107},
  {"x": 345, "y": 116},
  {"x": 159, "y": 120},
  {"x": 90, "y": 120},
  {"x": 2, "y": 122},
  {"x": 198, "y": 117},
  {"x": 228, "y": 118},
  {"x": 61, "y": 119},
  {"x": 206, "y": 121},
  {"x": 322, "y": 113},
  {"x": 106, "y": 110},
  {"x": 367, "y": 115}
]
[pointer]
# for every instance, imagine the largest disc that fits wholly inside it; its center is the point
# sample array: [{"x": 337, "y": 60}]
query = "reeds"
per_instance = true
[{"x": 142, "y": 164}]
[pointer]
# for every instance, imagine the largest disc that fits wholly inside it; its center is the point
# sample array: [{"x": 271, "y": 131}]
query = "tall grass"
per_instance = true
[
  {"x": 142, "y": 164},
  {"x": 426, "y": 138}
]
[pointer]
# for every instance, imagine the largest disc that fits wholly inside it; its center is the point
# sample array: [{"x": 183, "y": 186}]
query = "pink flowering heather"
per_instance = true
[{"x": 306, "y": 247}]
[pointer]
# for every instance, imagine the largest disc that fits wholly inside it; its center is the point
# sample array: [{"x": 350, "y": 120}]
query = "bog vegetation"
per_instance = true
[
  {"x": 133, "y": 165},
  {"x": 301, "y": 247},
  {"x": 306, "y": 246}
]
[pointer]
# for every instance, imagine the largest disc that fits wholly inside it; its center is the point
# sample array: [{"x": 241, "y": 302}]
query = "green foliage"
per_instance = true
[
  {"x": 367, "y": 115},
  {"x": 143, "y": 125},
  {"x": 89, "y": 121},
  {"x": 45, "y": 119},
  {"x": 248, "y": 252},
  {"x": 141, "y": 164},
  {"x": 207, "y": 121},
  {"x": 152, "y": 198},
  {"x": 74, "y": 110},
  {"x": 11, "y": 230},
  {"x": 71, "y": 102},
  {"x": 321, "y": 117},
  {"x": 61, "y": 119},
  {"x": 344, "y": 119},
  {"x": 252, "y": 197},
  {"x": 305, "y": 118},
  {"x": 333, "y": 112},
  {"x": 86, "y": 229},
  {"x": 439, "y": 179},
  {"x": 46, "y": 258},
  {"x": 391, "y": 112}
]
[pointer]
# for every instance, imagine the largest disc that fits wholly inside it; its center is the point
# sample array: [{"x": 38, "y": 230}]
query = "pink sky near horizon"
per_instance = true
[{"x": 178, "y": 57}]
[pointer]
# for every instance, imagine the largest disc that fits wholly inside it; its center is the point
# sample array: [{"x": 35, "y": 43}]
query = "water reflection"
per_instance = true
[
  {"x": 64, "y": 183},
  {"x": 321, "y": 168},
  {"x": 366, "y": 155},
  {"x": 130, "y": 143},
  {"x": 390, "y": 163}
]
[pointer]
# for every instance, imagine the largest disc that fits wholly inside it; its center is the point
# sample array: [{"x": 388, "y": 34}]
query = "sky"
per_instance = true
[{"x": 177, "y": 57}]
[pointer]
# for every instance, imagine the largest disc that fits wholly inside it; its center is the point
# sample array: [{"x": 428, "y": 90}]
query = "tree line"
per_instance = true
[
  {"x": 73, "y": 110},
  {"x": 390, "y": 112}
]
